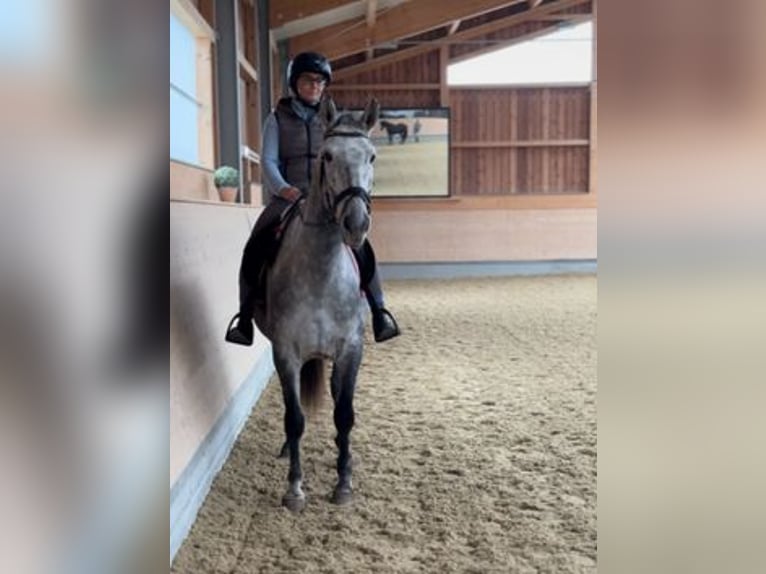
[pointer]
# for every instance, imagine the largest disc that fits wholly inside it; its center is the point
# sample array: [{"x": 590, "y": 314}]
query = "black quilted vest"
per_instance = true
[{"x": 299, "y": 141}]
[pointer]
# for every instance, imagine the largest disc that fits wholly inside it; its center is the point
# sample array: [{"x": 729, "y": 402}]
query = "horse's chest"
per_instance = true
[
  {"x": 316, "y": 328},
  {"x": 322, "y": 310},
  {"x": 333, "y": 311},
  {"x": 316, "y": 302}
]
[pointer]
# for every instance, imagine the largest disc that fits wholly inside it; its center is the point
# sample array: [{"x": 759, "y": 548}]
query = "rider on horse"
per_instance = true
[{"x": 292, "y": 134}]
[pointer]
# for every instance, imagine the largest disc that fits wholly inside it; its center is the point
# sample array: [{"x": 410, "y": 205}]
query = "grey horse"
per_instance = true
[{"x": 314, "y": 310}]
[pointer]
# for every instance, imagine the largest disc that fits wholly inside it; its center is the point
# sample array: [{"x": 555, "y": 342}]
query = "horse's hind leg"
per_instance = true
[
  {"x": 343, "y": 384},
  {"x": 294, "y": 499}
]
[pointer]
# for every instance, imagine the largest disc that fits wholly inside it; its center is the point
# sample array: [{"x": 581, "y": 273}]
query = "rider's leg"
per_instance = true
[
  {"x": 384, "y": 325},
  {"x": 254, "y": 256}
]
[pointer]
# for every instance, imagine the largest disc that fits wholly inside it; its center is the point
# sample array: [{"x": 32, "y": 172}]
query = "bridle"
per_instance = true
[{"x": 331, "y": 203}]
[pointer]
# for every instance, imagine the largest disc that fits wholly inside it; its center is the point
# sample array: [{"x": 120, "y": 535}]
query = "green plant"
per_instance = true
[{"x": 226, "y": 176}]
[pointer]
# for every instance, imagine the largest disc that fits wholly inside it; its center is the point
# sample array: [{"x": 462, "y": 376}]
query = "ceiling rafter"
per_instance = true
[
  {"x": 569, "y": 17},
  {"x": 400, "y": 21},
  {"x": 280, "y": 13},
  {"x": 463, "y": 35},
  {"x": 372, "y": 8}
]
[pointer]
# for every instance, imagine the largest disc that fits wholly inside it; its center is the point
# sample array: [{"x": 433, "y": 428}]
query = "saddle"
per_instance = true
[
  {"x": 272, "y": 241},
  {"x": 279, "y": 231}
]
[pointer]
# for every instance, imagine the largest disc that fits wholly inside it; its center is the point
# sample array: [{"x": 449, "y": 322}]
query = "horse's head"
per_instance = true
[{"x": 345, "y": 168}]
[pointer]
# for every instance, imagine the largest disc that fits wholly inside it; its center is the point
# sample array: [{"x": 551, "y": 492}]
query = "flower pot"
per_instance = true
[{"x": 228, "y": 194}]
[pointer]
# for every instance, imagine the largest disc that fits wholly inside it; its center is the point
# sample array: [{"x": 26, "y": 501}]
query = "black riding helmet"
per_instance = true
[{"x": 310, "y": 62}]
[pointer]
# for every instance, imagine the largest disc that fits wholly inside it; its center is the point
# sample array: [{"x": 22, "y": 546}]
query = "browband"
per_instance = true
[{"x": 334, "y": 134}]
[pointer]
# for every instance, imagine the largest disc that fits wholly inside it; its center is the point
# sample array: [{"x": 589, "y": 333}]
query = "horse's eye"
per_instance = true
[
  {"x": 327, "y": 156},
  {"x": 372, "y": 158}
]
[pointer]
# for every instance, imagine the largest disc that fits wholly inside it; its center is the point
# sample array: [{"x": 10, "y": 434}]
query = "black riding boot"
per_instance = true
[
  {"x": 240, "y": 330},
  {"x": 260, "y": 247},
  {"x": 384, "y": 326}
]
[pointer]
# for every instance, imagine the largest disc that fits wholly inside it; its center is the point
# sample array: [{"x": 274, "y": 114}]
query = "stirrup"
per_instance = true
[
  {"x": 384, "y": 326},
  {"x": 234, "y": 334}
]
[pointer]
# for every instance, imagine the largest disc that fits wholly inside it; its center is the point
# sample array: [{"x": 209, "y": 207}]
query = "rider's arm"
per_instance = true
[{"x": 272, "y": 177}]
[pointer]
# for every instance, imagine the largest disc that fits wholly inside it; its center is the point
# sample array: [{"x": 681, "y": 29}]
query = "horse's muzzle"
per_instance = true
[{"x": 354, "y": 222}]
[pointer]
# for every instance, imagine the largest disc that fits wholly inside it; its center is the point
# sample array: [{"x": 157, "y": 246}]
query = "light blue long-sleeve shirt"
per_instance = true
[{"x": 272, "y": 177}]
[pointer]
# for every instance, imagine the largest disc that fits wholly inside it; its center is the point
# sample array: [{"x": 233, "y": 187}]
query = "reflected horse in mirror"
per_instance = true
[{"x": 394, "y": 130}]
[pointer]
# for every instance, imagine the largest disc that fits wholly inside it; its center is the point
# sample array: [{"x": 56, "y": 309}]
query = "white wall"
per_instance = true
[
  {"x": 460, "y": 235},
  {"x": 206, "y": 242},
  {"x": 213, "y": 384}
]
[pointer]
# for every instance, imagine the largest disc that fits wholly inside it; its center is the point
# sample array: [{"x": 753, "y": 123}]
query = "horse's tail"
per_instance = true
[{"x": 312, "y": 384}]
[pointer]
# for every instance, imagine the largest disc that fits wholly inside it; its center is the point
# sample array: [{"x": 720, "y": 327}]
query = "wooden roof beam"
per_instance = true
[
  {"x": 372, "y": 9},
  {"x": 564, "y": 18},
  {"x": 468, "y": 34},
  {"x": 400, "y": 21},
  {"x": 453, "y": 27},
  {"x": 280, "y": 13}
]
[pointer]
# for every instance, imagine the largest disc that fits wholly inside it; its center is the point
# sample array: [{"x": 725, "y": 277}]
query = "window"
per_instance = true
[
  {"x": 184, "y": 105},
  {"x": 563, "y": 56},
  {"x": 26, "y": 29}
]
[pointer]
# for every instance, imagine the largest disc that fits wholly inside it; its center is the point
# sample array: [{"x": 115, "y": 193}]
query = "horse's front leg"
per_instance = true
[
  {"x": 343, "y": 384},
  {"x": 289, "y": 376}
]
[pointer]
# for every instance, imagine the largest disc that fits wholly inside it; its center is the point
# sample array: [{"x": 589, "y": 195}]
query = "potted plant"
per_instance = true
[{"x": 226, "y": 180}]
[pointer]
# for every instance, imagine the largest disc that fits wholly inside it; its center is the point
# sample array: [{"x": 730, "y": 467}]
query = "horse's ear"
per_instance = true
[
  {"x": 327, "y": 111},
  {"x": 371, "y": 113}
]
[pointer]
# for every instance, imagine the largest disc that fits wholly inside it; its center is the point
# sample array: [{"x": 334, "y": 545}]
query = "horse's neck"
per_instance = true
[
  {"x": 319, "y": 235},
  {"x": 313, "y": 209}
]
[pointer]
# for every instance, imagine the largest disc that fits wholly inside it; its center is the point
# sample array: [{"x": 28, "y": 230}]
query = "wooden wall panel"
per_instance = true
[
  {"x": 534, "y": 170},
  {"x": 520, "y": 140},
  {"x": 423, "y": 68},
  {"x": 387, "y": 98}
]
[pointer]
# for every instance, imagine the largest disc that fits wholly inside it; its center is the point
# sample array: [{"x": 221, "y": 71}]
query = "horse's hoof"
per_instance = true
[
  {"x": 293, "y": 502},
  {"x": 341, "y": 496}
]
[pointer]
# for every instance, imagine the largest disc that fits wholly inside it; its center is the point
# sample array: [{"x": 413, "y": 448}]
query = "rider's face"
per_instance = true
[{"x": 310, "y": 87}]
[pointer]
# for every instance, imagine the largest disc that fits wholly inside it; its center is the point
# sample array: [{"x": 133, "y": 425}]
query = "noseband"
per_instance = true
[{"x": 353, "y": 191}]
